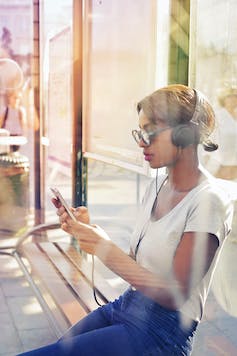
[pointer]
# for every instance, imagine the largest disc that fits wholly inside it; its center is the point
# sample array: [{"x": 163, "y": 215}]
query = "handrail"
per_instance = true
[{"x": 36, "y": 229}]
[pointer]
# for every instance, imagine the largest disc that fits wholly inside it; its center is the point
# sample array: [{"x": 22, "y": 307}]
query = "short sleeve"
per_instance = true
[{"x": 212, "y": 213}]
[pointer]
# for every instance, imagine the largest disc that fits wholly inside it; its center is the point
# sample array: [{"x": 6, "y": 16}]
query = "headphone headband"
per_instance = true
[
  {"x": 186, "y": 134},
  {"x": 198, "y": 107}
]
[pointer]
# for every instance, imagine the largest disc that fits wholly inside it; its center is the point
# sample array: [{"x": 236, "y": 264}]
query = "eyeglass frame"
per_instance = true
[{"x": 138, "y": 135}]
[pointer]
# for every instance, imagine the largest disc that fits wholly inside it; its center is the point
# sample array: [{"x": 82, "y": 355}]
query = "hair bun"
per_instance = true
[{"x": 210, "y": 146}]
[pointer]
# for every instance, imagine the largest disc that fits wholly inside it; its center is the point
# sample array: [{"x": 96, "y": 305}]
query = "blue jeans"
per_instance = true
[{"x": 130, "y": 326}]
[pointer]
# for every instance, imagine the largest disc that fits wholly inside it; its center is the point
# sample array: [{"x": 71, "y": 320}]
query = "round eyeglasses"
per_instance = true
[{"x": 145, "y": 136}]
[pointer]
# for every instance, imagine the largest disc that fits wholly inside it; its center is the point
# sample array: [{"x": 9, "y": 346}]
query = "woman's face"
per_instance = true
[{"x": 160, "y": 152}]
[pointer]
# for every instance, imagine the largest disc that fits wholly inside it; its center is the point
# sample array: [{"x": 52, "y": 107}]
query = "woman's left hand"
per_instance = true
[{"x": 91, "y": 238}]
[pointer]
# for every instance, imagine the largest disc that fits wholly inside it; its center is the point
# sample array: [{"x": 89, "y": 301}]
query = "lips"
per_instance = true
[{"x": 147, "y": 156}]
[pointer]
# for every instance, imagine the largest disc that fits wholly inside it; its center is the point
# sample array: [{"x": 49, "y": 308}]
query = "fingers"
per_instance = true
[
  {"x": 56, "y": 202},
  {"x": 80, "y": 210},
  {"x": 75, "y": 228},
  {"x": 81, "y": 213},
  {"x": 88, "y": 237},
  {"x": 60, "y": 209},
  {"x": 64, "y": 217}
]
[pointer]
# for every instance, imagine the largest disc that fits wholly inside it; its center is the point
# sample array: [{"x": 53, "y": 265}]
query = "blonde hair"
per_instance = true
[{"x": 175, "y": 105}]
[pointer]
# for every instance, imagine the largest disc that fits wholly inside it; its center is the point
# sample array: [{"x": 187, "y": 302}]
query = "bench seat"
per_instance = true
[{"x": 61, "y": 278}]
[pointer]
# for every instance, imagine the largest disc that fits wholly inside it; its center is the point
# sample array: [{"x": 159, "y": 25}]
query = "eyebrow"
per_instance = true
[{"x": 145, "y": 126}]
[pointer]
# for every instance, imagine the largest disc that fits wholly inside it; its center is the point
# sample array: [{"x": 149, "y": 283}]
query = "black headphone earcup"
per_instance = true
[{"x": 184, "y": 135}]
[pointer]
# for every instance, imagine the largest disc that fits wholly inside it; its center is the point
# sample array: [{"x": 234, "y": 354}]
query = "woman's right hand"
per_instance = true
[{"x": 81, "y": 213}]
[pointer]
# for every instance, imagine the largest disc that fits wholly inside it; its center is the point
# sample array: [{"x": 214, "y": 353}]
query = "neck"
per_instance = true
[{"x": 185, "y": 174}]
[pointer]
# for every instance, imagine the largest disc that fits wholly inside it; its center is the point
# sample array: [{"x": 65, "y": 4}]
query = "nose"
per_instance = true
[{"x": 142, "y": 144}]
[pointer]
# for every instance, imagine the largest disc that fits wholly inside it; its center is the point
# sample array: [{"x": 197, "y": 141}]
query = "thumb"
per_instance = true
[{"x": 80, "y": 210}]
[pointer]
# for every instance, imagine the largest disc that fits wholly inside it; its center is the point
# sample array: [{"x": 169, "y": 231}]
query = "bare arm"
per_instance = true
[{"x": 193, "y": 258}]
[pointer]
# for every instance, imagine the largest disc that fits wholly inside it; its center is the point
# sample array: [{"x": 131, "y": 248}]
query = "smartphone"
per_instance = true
[{"x": 59, "y": 196}]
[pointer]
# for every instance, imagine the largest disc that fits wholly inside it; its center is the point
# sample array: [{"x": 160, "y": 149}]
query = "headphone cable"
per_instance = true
[{"x": 93, "y": 281}]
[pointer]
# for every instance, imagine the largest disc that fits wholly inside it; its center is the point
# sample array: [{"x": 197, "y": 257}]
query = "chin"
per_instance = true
[{"x": 156, "y": 165}]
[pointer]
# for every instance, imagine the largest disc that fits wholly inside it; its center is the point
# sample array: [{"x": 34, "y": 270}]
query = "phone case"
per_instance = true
[{"x": 59, "y": 196}]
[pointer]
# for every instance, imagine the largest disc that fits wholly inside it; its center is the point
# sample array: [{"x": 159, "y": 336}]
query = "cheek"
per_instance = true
[
  {"x": 164, "y": 144},
  {"x": 165, "y": 151},
  {"x": 167, "y": 154}
]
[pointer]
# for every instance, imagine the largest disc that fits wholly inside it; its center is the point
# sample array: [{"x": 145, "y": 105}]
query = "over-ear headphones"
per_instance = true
[{"x": 184, "y": 135}]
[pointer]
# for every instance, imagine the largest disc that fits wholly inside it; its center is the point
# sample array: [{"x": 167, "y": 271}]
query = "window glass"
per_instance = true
[
  {"x": 213, "y": 71},
  {"x": 120, "y": 68},
  {"x": 56, "y": 71},
  {"x": 121, "y": 65},
  {"x": 179, "y": 41},
  {"x": 16, "y": 115},
  {"x": 114, "y": 195}
]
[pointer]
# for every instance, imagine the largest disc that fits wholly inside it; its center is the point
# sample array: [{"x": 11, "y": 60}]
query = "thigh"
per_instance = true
[
  {"x": 95, "y": 320},
  {"x": 113, "y": 340}
]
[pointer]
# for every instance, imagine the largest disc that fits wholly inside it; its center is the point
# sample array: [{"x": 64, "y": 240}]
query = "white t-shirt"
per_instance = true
[{"x": 206, "y": 208}]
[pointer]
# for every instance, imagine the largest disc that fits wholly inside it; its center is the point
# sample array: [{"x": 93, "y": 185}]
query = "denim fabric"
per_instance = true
[{"x": 132, "y": 325}]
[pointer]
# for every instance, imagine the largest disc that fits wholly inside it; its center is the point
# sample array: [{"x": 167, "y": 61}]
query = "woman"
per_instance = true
[{"x": 183, "y": 222}]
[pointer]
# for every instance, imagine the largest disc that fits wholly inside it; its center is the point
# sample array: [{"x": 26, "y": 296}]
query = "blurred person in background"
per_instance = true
[
  {"x": 227, "y": 133},
  {"x": 13, "y": 116}
]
